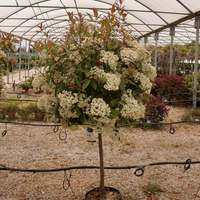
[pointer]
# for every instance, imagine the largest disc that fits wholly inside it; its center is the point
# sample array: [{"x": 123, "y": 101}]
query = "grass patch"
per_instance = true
[{"x": 151, "y": 188}]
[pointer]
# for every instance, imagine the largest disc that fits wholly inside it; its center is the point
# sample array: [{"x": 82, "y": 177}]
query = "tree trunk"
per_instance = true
[{"x": 101, "y": 166}]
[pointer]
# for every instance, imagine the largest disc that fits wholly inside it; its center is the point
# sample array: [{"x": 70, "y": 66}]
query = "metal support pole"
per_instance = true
[
  {"x": 20, "y": 57},
  {"x": 171, "y": 33},
  {"x": 12, "y": 72},
  {"x": 35, "y": 63},
  {"x": 145, "y": 41},
  {"x": 28, "y": 57},
  {"x": 197, "y": 25},
  {"x": 156, "y": 53},
  {"x": 8, "y": 70}
]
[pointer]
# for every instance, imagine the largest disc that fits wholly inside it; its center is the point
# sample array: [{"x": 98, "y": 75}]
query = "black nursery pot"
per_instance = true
[{"x": 111, "y": 189}]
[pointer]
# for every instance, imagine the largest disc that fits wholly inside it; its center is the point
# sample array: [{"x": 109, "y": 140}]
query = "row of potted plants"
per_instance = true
[{"x": 9, "y": 111}]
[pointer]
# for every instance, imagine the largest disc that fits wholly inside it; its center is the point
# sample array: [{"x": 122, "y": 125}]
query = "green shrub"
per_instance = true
[{"x": 189, "y": 81}]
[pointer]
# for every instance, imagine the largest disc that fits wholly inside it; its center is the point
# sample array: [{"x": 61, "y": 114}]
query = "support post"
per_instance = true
[
  {"x": 171, "y": 33},
  {"x": 101, "y": 166},
  {"x": 196, "y": 25},
  {"x": 156, "y": 53},
  {"x": 8, "y": 69},
  {"x": 28, "y": 57},
  {"x": 145, "y": 41},
  {"x": 20, "y": 57}
]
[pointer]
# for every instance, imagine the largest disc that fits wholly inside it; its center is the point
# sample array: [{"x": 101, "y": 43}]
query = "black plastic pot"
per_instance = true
[{"x": 110, "y": 189}]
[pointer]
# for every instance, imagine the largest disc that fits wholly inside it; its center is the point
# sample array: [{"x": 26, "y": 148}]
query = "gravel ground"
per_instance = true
[{"x": 29, "y": 147}]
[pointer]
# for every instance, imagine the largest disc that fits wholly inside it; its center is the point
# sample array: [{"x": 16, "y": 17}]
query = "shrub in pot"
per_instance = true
[
  {"x": 39, "y": 113},
  {"x": 156, "y": 110},
  {"x": 9, "y": 110},
  {"x": 25, "y": 86}
]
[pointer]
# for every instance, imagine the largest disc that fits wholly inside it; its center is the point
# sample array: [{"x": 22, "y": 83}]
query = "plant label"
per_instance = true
[
  {"x": 6, "y": 116},
  {"x": 196, "y": 119},
  {"x": 90, "y": 135},
  {"x": 23, "y": 90}
]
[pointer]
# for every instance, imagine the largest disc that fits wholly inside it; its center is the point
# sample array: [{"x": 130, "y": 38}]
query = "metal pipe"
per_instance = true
[
  {"x": 20, "y": 57},
  {"x": 156, "y": 53},
  {"x": 197, "y": 21},
  {"x": 28, "y": 57},
  {"x": 171, "y": 33}
]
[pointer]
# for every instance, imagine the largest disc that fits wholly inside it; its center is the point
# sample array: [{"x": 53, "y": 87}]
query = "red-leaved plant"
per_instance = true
[
  {"x": 168, "y": 84},
  {"x": 156, "y": 110}
]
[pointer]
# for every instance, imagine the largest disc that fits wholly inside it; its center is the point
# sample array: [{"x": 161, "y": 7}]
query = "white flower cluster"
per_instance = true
[
  {"x": 145, "y": 83},
  {"x": 132, "y": 108},
  {"x": 83, "y": 101},
  {"x": 99, "y": 110},
  {"x": 74, "y": 56},
  {"x": 129, "y": 55},
  {"x": 43, "y": 54},
  {"x": 67, "y": 104},
  {"x": 38, "y": 82},
  {"x": 109, "y": 58},
  {"x": 57, "y": 77},
  {"x": 112, "y": 80},
  {"x": 48, "y": 87},
  {"x": 2, "y": 54},
  {"x": 47, "y": 103},
  {"x": 150, "y": 70},
  {"x": 91, "y": 41}
]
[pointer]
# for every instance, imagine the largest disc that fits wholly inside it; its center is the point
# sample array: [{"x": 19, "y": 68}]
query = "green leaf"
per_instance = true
[
  {"x": 94, "y": 84},
  {"x": 78, "y": 110},
  {"x": 105, "y": 21},
  {"x": 140, "y": 65},
  {"x": 85, "y": 84},
  {"x": 123, "y": 121},
  {"x": 117, "y": 111},
  {"x": 64, "y": 70},
  {"x": 83, "y": 118},
  {"x": 89, "y": 64},
  {"x": 52, "y": 66},
  {"x": 114, "y": 102},
  {"x": 73, "y": 50},
  {"x": 131, "y": 82},
  {"x": 90, "y": 16},
  {"x": 81, "y": 70},
  {"x": 122, "y": 85},
  {"x": 74, "y": 41},
  {"x": 134, "y": 92},
  {"x": 77, "y": 82}
]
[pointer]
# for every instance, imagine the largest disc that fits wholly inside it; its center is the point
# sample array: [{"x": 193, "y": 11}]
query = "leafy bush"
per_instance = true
[
  {"x": 168, "y": 84},
  {"x": 155, "y": 109},
  {"x": 25, "y": 85},
  {"x": 10, "y": 108},
  {"x": 189, "y": 81}
]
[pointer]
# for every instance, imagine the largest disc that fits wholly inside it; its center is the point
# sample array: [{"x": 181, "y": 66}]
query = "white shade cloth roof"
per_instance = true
[{"x": 21, "y": 17}]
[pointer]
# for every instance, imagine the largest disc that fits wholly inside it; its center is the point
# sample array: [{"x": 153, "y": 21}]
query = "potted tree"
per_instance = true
[
  {"x": 39, "y": 113},
  {"x": 98, "y": 72},
  {"x": 25, "y": 86},
  {"x": 9, "y": 110}
]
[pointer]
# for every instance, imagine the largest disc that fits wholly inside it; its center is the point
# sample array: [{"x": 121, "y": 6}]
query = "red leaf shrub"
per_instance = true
[
  {"x": 168, "y": 84},
  {"x": 155, "y": 109}
]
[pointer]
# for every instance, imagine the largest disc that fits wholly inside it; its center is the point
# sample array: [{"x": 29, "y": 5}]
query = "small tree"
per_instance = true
[
  {"x": 7, "y": 44},
  {"x": 97, "y": 72}
]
